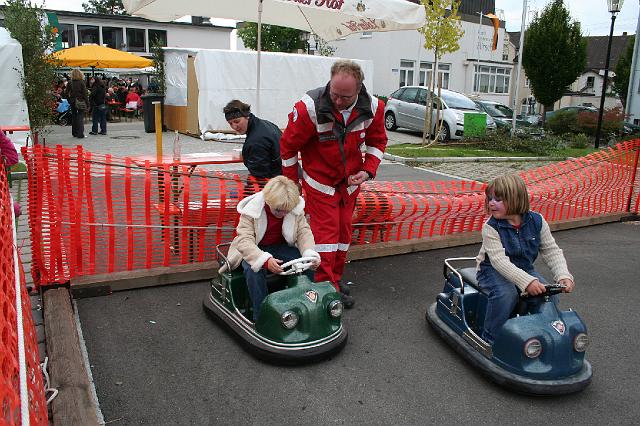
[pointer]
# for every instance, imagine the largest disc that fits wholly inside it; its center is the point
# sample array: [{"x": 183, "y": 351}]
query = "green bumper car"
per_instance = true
[{"x": 299, "y": 320}]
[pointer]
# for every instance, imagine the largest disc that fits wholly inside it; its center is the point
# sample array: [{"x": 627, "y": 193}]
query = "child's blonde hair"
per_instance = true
[
  {"x": 281, "y": 193},
  {"x": 512, "y": 190}
]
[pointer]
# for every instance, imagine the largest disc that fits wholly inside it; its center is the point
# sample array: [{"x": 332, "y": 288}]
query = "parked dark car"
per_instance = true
[
  {"x": 577, "y": 109},
  {"x": 500, "y": 113}
]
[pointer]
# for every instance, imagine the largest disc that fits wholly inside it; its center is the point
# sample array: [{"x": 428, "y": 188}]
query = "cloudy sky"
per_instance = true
[{"x": 592, "y": 14}]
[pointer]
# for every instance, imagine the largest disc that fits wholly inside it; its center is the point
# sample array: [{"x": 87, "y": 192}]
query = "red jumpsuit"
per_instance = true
[{"x": 331, "y": 152}]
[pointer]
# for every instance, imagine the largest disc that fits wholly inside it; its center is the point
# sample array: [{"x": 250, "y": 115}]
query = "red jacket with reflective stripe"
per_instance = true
[{"x": 315, "y": 129}]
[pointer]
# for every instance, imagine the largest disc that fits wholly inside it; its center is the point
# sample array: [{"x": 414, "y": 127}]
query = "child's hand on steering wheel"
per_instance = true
[
  {"x": 535, "y": 288},
  {"x": 273, "y": 265},
  {"x": 315, "y": 264},
  {"x": 569, "y": 284}
]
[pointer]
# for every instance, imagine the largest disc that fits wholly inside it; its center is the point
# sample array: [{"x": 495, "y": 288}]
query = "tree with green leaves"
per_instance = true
[
  {"x": 158, "y": 66},
  {"x": 273, "y": 38},
  {"x": 623, "y": 71},
  {"x": 105, "y": 7},
  {"x": 23, "y": 20},
  {"x": 442, "y": 31},
  {"x": 554, "y": 54}
]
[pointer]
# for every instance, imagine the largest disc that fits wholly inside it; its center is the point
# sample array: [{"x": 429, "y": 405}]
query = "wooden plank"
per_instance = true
[
  {"x": 96, "y": 285},
  {"x": 589, "y": 221},
  {"x": 74, "y": 404},
  {"x": 368, "y": 251}
]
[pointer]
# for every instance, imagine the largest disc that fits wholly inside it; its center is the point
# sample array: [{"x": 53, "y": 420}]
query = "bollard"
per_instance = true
[{"x": 158, "y": 116}]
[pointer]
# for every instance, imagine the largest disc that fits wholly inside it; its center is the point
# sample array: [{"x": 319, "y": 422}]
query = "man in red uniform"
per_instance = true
[{"x": 329, "y": 127}]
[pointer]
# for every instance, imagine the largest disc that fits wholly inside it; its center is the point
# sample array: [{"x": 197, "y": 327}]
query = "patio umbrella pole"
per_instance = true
[{"x": 259, "y": 49}]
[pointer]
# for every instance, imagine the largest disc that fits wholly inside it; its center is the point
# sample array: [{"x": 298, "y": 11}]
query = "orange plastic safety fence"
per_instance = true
[
  {"x": 10, "y": 400},
  {"x": 93, "y": 214}
]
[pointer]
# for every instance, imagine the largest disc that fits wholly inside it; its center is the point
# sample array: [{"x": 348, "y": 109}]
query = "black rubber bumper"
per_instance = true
[
  {"x": 504, "y": 378},
  {"x": 274, "y": 353}
]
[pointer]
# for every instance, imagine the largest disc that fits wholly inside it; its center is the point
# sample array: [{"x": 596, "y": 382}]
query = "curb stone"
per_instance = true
[{"x": 404, "y": 160}]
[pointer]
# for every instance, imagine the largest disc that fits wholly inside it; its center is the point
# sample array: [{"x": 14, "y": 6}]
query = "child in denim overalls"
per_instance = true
[{"x": 512, "y": 238}]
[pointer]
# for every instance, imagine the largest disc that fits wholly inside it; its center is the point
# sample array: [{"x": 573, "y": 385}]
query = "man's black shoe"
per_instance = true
[
  {"x": 93, "y": 133},
  {"x": 345, "y": 287},
  {"x": 347, "y": 301}
]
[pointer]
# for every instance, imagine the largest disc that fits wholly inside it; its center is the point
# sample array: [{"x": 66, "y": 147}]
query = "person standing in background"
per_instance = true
[
  {"x": 98, "y": 108},
  {"x": 77, "y": 95},
  {"x": 261, "y": 148}
]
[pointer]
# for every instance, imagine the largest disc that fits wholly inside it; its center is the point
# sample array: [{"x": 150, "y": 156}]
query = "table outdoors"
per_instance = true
[
  {"x": 114, "y": 109},
  {"x": 170, "y": 210},
  {"x": 11, "y": 129}
]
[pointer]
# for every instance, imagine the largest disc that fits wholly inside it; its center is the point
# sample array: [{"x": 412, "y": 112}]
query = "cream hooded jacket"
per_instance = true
[{"x": 252, "y": 227}]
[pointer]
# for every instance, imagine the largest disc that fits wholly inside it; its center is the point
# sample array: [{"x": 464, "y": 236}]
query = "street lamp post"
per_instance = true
[{"x": 614, "y": 7}]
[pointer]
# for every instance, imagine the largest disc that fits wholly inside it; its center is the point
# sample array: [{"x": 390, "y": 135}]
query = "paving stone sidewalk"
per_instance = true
[{"x": 482, "y": 171}]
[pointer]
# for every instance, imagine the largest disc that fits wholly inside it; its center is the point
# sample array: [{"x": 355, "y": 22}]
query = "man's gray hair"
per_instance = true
[{"x": 348, "y": 67}]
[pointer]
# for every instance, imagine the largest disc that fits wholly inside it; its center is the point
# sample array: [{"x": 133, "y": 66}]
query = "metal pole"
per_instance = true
[
  {"x": 158, "y": 123},
  {"x": 604, "y": 83},
  {"x": 516, "y": 98},
  {"x": 631, "y": 94},
  {"x": 477, "y": 74},
  {"x": 259, "y": 49}
]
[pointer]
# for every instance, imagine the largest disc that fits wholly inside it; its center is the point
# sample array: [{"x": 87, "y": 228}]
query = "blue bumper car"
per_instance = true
[{"x": 539, "y": 351}]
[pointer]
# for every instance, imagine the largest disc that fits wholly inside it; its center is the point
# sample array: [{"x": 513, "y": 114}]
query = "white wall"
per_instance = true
[{"x": 198, "y": 37}]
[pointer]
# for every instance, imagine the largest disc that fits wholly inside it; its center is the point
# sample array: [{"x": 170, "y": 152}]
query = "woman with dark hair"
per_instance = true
[
  {"x": 261, "y": 149},
  {"x": 99, "y": 108},
  {"x": 77, "y": 96}
]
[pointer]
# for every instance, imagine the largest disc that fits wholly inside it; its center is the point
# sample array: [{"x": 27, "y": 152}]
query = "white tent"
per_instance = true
[
  {"x": 224, "y": 75},
  {"x": 13, "y": 107}
]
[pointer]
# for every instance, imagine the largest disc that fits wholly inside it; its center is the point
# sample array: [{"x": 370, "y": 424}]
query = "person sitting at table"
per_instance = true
[
  {"x": 110, "y": 96},
  {"x": 272, "y": 230},
  {"x": 133, "y": 100},
  {"x": 261, "y": 149}
]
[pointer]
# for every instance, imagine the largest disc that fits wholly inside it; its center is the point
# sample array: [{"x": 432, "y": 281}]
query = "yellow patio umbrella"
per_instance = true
[{"x": 92, "y": 55}]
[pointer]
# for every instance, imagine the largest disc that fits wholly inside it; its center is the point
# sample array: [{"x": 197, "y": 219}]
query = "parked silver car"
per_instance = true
[{"x": 406, "y": 107}]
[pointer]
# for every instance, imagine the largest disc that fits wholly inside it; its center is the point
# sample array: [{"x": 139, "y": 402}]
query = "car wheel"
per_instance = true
[
  {"x": 444, "y": 134},
  {"x": 390, "y": 121}
]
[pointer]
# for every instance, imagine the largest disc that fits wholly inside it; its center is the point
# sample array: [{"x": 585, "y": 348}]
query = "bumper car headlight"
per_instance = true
[
  {"x": 289, "y": 319},
  {"x": 533, "y": 348},
  {"x": 580, "y": 342},
  {"x": 335, "y": 308}
]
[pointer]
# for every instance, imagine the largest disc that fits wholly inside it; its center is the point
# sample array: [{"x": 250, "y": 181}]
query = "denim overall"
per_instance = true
[{"x": 521, "y": 246}]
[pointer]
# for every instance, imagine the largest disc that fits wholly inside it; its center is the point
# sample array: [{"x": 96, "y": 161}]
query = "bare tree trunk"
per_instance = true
[
  {"x": 429, "y": 106},
  {"x": 438, "y": 124}
]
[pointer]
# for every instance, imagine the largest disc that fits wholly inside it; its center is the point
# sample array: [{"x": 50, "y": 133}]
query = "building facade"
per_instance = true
[
  {"x": 587, "y": 88},
  {"x": 400, "y": 57},
  {"x": 136, "y": 35}
]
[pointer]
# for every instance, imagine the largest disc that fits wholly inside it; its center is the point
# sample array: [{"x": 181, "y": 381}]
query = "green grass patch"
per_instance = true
[{"x": 414, "y": 151}]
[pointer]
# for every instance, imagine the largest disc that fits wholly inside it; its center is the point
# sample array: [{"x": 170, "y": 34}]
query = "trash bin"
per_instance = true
[{"x": 149, "y": 114}]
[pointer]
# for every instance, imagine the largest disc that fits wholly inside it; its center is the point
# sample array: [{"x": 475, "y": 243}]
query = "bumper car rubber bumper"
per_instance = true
[
  {"x": 515, "y": 382},
  {"x": 273, "y": 351}
]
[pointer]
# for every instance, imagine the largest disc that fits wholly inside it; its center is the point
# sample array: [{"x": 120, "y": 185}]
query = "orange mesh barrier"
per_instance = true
[
  {"x": 93, "y": 214},
  {"x": 10, "y": 363}
]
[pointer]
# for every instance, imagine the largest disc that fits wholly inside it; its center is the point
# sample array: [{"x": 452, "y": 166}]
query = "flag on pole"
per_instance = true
[
  {"x": 496, "y": 27},
  {"x": 51, "y": 19}
]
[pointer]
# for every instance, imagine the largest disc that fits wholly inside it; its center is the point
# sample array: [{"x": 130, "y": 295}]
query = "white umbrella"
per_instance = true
[{"x": 328, "y": 19}]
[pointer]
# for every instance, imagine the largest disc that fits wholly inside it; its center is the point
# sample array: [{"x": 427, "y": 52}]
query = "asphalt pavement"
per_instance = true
[{"x": 156, "y": 358}]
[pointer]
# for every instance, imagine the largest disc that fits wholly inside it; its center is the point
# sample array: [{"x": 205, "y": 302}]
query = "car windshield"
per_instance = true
[
  {"x": 498, "y": 110},
  {"x": 458, "y": 101}
]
